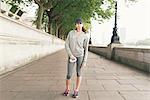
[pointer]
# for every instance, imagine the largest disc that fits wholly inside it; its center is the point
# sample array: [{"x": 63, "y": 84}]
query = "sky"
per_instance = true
[{"x": 133, "y": 24}]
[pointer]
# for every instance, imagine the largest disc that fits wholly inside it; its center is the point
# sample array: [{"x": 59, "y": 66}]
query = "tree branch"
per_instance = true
[
  {"x": 67, "y": 5},
  {"x": 37, "y": 2},
  {"x": 48, "y": 5}
]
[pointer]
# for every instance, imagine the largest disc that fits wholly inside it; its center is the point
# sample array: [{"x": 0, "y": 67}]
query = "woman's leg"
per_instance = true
[
  {"x": 69, "y": 74},
  {"x": 68, "y": 81},
  {"x": 78, "y": 69},
  {"x": 78, "y": 82}
]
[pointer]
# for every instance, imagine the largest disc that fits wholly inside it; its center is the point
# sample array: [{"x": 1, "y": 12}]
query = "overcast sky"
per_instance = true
[{"x": 133, "y": 24}]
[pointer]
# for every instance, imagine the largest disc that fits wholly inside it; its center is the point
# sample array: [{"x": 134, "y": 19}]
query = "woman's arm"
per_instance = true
[
  {"x": 67, "y": 46},
  {"x": 85, "y": 45}
]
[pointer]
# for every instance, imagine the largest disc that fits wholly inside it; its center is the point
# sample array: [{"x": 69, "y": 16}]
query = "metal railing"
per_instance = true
[{"x": 5, "y": 10}]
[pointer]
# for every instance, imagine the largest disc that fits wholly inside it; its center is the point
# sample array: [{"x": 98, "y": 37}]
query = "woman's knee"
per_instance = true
[
  {"x": 69, "y": 76},
  {"x": 78, "y": 74}
]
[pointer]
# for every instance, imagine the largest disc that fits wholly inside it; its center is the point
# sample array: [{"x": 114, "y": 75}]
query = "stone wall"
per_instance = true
[
  {"x": 99, "y": 50},
  {"x": 136, "y": 57},
  {"x": 21, "y": 44}
]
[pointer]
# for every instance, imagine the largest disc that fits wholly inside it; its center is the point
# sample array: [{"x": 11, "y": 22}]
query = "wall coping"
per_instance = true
[{"x": 137, "y": 49}]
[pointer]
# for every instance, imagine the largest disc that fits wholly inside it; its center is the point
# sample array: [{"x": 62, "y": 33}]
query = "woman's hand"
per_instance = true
[
  {"x": 72, "y": 57},
  {"x": 83, "y": 64}
]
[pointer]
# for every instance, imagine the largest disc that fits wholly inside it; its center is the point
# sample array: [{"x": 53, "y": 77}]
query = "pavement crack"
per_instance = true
[
  {"x": 121, "y": 95},
  {"x": 88, "y": 95}
]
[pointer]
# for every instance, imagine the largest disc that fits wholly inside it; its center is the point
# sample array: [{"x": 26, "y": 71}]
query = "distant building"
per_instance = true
[{"x": 122, "y": 34}]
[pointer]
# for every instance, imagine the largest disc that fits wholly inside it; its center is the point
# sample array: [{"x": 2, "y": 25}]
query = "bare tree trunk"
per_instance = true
[
  {"x": 40, "y": 16},
  {"x": 51, "y": 28},
  {"x": 57, "y": 32}
]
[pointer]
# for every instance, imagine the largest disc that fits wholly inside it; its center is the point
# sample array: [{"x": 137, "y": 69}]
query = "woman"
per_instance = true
[{"x": 77, "y": 49}]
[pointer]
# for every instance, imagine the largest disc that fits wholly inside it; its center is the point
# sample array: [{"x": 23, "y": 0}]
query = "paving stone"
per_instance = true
[
  {"x": 136, "y": 95},
  {"x": 119, "y": 87},
  {"x": 104, "y": 95},
  {"x": 143, "y": 87}
]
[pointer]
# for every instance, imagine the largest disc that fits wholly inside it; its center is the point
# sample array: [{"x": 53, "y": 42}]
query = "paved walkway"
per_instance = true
[{"x": 44, "y": 79}]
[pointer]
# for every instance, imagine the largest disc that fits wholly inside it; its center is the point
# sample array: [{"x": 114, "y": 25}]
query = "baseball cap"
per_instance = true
[{"x": 79, "y": 21}]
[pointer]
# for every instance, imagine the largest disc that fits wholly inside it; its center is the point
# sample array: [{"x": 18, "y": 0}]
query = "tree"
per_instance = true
[{"x": 43, "y": 5}]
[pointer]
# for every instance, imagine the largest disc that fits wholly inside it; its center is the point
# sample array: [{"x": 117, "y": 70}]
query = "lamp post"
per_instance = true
[{"x": 115, "y": 37}]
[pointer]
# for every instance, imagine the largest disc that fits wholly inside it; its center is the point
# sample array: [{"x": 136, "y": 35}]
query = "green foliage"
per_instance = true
[{"x": 69, "y": 10}]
